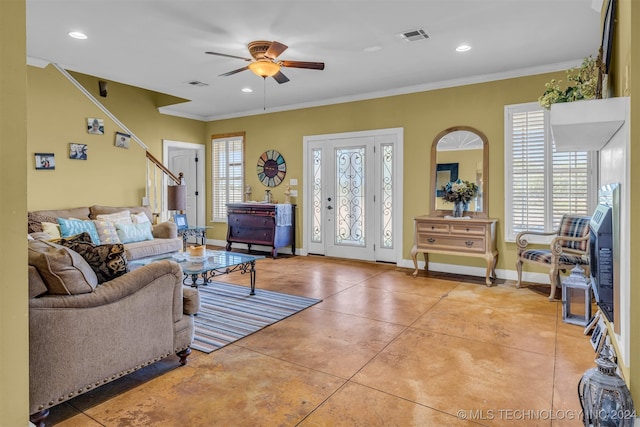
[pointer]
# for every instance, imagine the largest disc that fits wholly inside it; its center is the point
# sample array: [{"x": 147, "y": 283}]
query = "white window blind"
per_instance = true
[
  {"x": 541, "y": 184},
  {"x": 227, "y": 166}
]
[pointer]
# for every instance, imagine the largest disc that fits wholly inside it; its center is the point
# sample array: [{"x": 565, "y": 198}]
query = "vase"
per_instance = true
[{"x": 458, "y": 208}]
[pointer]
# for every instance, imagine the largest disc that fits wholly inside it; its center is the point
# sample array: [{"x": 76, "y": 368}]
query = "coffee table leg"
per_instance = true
[{"x": 252, "y": 274}]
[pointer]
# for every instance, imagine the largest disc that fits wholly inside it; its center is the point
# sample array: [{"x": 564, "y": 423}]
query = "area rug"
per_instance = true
[{"x": 228, "y": 313}]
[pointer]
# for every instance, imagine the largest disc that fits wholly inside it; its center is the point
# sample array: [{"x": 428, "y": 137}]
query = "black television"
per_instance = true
[{"x": 603, "y": 248}]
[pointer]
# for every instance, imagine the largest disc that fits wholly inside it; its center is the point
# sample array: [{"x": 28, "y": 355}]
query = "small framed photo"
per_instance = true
[
  {"x": 181, "y": 221},
  {"x": 122, "y": 140},
  {"x": 95, "y": 126},
  {"x": 78, "y": 151},
  {"x": 45, "y": 161}
]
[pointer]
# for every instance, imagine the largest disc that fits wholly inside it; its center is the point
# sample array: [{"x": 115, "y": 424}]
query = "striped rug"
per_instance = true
[{"x": 228, "y": 313}]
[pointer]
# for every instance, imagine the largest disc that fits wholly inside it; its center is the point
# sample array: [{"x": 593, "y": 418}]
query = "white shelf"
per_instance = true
[{"x": 587, "y": 125}]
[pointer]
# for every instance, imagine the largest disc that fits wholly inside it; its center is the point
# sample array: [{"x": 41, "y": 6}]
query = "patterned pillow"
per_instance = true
[
  {"x": 129, "y": 233},
  {"x": 34, "y": 222},
  {"x": 139, "y": 218},
  {"x": 107, "y": 231},
  {"x": 71, "y": 227},
  {"x": 107, "y": 261},
  {"x": 123, "y": 217},
  {"x": 52, "y": 229}
]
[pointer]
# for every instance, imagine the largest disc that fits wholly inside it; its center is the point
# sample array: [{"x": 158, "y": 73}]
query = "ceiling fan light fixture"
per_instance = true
[{"x": 264, "y": 68}]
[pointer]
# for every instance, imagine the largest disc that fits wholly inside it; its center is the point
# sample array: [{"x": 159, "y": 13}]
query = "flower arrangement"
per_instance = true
[
  {"x": 459, "y": 191},
  {"x": 585, "y": 79}
]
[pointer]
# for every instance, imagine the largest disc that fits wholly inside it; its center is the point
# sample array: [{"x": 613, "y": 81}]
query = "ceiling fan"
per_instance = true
[{"x": 264, "y": 63}]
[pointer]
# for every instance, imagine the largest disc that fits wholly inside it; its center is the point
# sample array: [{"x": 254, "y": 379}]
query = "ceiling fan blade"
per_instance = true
[
  {"x": 302, "y": 64},
  {"x": 280, "y": 78},
  {"x": 230, "y": 73},
  {"x": 229, "y": 56},
  {"x": 275, "y": 50}
]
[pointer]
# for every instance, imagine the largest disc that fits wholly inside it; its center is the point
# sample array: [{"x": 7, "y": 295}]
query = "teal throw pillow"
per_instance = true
[
  {"x": 71, "y": 227},
  {"x": 129, "y": 233}
]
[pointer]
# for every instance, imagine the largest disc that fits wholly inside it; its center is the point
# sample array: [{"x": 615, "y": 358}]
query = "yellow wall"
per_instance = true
[
  {"x": 14, "y": 326},
  {"x": 57, "y": 116},
  {"x": 422, "y": 115}
]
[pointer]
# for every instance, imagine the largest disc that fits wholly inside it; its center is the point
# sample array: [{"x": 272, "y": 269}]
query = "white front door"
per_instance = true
[
  {"x": 353, "y": 195},
  {"x": 189, "y": 159}
]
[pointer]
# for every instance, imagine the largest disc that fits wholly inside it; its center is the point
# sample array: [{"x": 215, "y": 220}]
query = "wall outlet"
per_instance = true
[
  {"x": 145, "y": 201},
  {"x": 293, "y": 181},
  {"x": 294, "y": 193}
]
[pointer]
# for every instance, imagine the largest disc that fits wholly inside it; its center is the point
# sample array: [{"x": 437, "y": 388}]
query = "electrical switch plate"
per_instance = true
[
  {"x": 294, "y": 193},
  {"x": 293, "y": 181}
]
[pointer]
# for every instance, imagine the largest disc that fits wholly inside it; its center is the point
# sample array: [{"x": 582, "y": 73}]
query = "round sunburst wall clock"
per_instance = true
[{"x": 271, "y": 168}]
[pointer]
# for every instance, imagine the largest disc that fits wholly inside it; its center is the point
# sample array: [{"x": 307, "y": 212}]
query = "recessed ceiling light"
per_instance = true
[
  {"x": 247, "y": 90},
  {"x": 463, "y": 48},
  {"x": 78, "y": 35}
]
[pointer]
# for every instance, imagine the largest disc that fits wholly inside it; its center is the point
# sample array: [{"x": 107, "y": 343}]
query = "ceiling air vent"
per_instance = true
[
  {"x": 197, "y": 83},
  {"x": 414, "y": 35}
]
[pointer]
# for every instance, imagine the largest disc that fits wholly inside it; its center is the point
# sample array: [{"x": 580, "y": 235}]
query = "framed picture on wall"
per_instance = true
[
  {"x": 78, "y": 151},
  {"x": 45, "y": 161},
  {"x": 95, "y": 126},
  {"x": 122, "y": 140}
]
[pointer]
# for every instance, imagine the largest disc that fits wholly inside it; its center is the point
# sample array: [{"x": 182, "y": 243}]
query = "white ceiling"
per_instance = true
[{"x": 160, "y": 45}]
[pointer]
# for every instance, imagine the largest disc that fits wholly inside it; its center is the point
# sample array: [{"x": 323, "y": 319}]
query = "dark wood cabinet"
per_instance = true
[{"x": 262, "y": 224}]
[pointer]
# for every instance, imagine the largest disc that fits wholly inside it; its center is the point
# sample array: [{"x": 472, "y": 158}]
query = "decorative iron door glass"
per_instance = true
[{"x": 45, "y": 161}]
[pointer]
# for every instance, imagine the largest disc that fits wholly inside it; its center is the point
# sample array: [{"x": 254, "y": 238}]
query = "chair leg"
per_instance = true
[
  {"x": 554, "y": 279},
  {"x": 519, "y": 270}
]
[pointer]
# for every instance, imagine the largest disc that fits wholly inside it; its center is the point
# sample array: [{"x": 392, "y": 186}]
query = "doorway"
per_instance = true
[
  {"x": 353, "y": 195},
  {"x": 188, "y": 158}
]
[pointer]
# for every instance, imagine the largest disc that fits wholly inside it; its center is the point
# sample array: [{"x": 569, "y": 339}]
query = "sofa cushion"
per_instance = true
[
  {"x": 106, "y": 231},
  {"x": 139, "y": 218},
  {"x": 71, "y": 227},
  {"x": 153, "y": 247},
  {"x": 63, "y": 271},
  {"x": 35, "y": 220},
  {"x": 80, "y": 213},
  {"x": 129, "y": 233},
  {"x": 51, "y": 229},
  {"x": 99, "y": 210},
  {"x": 122, "y": 217},
  {"x": 107, "y": 261}
]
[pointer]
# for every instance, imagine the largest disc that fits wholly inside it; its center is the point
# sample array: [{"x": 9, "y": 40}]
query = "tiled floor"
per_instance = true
[{"x": 382, "y": 349}]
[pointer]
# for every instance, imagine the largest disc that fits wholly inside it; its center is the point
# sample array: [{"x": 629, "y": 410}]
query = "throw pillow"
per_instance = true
[
  {"x": 139, "y": 218},
  {"x": 122, "y": 217},
  {"x": 63, "y": 271},
  {"x": 35, "y": 220},
  {"x": 107, "y": 261},
  {"x": 71, "y": 227},
  {"x": 129, "y": 233},
  {"x": 106, "y": 231},
  {"x": 52, "y": 229}
]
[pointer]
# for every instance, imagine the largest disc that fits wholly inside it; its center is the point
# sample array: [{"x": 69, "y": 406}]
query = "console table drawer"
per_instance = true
[
  {"x": 468, "y": 229},
  {"x": 264, "y": 235},
  {"x": 451, "y": 243},
  {"x": 431, "y": 227},
  {"x": 250, "y": 221}
]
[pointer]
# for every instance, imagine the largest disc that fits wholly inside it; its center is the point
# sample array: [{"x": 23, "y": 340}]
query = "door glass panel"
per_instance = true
[
  {"x": 316, "y": 228},
  {"x": 386, "y": 205},
  {"x": 350, "y": 193}
]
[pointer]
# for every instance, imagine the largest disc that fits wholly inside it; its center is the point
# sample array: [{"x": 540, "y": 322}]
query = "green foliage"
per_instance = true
[{"x": 583, "y": 84}]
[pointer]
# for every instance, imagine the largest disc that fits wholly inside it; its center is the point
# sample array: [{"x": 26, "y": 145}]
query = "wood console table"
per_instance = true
[
  {"x": 475, "y": 237},
  {"x": 261, "y": 224}
]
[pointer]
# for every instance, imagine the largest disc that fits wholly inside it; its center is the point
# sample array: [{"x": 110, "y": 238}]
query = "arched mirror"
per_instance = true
[{"x": 460, "y": 152}]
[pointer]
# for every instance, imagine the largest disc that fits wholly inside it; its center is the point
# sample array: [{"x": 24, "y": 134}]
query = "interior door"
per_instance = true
[
  {"x": 353, "y": 195},
  {"x": 188, "y": 158}
]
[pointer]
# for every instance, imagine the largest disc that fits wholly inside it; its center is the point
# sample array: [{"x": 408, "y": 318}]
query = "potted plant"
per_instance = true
[{"x": 583, "y": 85}]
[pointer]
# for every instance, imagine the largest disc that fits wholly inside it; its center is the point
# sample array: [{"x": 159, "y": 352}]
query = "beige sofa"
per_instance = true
[
  {"x": 165, "y": 235},
  {"x": 83, "y": 334}
]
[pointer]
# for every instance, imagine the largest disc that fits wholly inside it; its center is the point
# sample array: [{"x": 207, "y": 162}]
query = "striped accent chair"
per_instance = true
[{"x": 569, "y": 247}]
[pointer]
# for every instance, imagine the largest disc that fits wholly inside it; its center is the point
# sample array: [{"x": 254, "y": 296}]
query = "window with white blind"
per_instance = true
[
  {"x": 227, "y": 173},
  {"x": 542, "y": 184}
]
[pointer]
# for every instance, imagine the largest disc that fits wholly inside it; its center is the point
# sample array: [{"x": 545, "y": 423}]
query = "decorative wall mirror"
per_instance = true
[{"x": 465, "y": 150}]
